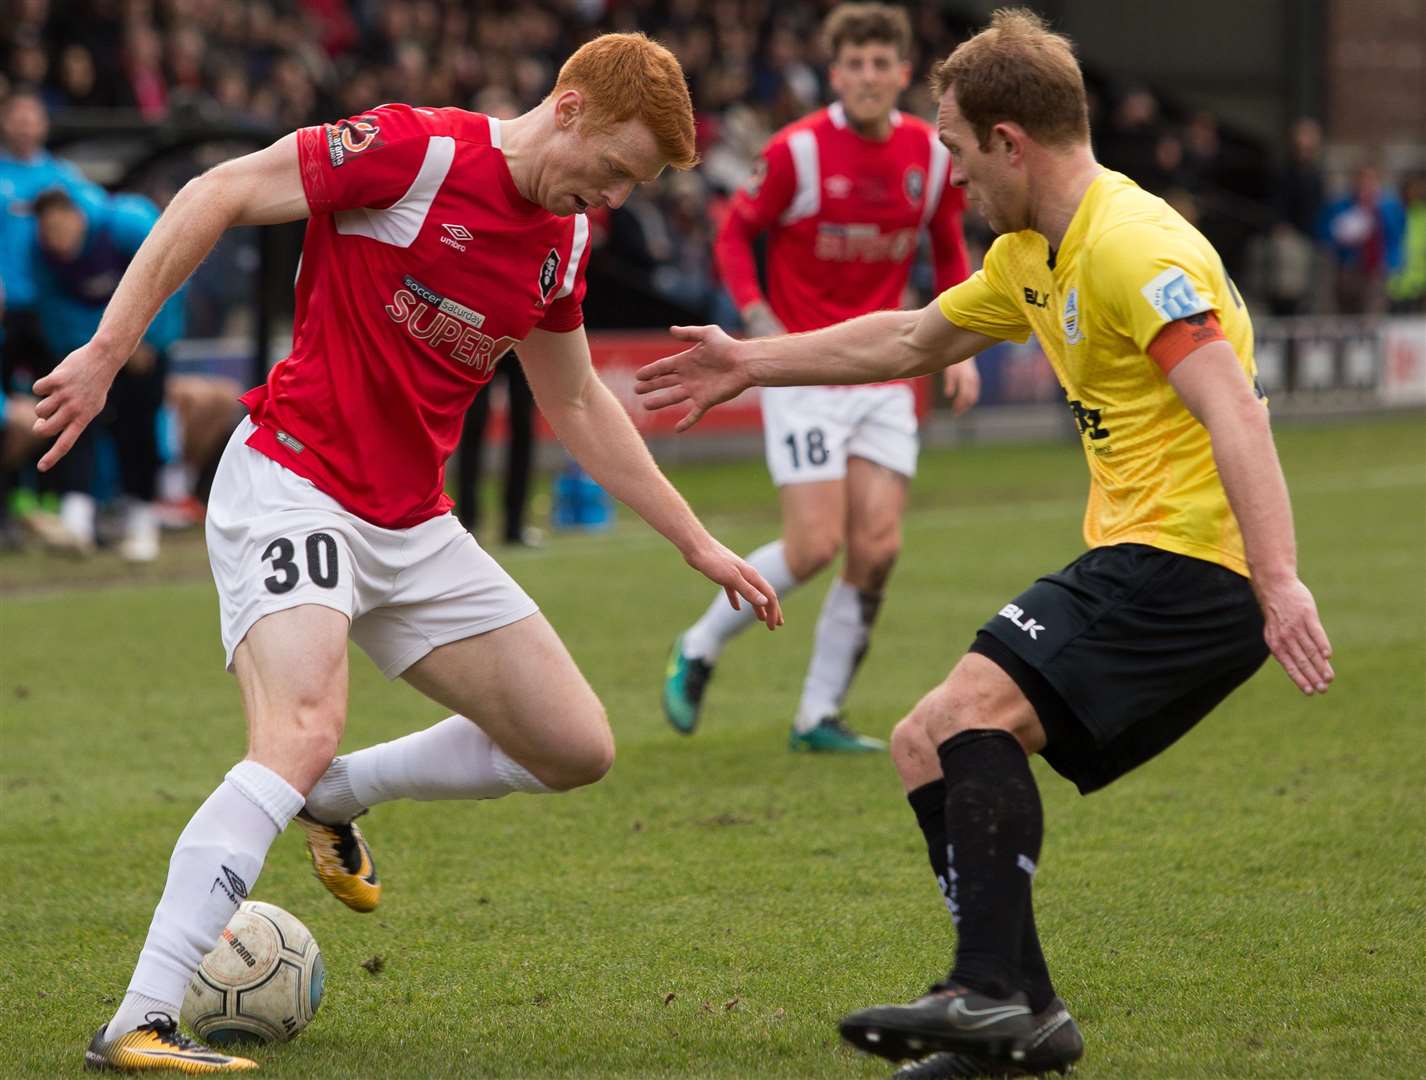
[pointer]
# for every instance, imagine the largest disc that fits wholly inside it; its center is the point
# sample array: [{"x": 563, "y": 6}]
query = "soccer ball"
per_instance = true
[{"x": 262, "y": 982}]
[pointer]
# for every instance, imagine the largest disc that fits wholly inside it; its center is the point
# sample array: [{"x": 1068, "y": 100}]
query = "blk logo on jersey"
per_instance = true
[
  {"x": 1016, "y": 614},
  {"x": 549, "y": 274},
  {"x": 352, "y": 137}
]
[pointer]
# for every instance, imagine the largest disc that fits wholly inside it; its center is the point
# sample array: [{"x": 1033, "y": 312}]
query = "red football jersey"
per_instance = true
[
  {"x": 843, "y": 215},
  {"x": 422, "y": 265}
]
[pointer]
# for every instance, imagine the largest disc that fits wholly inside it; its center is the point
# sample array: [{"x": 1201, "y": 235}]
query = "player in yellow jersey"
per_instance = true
[{"x": 1191, "y": 577}]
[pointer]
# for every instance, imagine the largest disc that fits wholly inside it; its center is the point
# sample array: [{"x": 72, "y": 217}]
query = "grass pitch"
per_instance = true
[{"x": 1248, "y": 905}]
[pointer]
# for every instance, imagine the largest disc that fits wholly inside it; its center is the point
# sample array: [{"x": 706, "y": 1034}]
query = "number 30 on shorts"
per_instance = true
[
  {"x": 321, "y": 563},
  {"x": 816, "y": 440}
]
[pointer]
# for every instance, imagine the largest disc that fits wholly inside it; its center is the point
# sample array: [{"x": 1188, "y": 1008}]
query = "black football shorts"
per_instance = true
[{"x": 1123, "y": 651}]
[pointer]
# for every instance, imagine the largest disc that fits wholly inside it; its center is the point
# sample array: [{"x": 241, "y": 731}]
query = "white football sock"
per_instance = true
[
  {"x": 452, "y": 760},
  {"x": 843, "y": 630},
  {"x": 213, "y": 868},
  {"x": 721, "y": 623},
  {"x": 76, "y": 512}
]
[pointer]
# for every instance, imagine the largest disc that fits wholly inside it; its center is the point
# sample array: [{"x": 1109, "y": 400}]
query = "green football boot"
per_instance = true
[
  {"x": 832, "y": 736},
  {"x": 684, "y": 681}
]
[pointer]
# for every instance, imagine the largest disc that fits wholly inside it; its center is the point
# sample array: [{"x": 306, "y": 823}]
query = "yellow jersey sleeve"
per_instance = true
[
  {"x": 985, "y": 303},
  {"x": 1152, "y": 275}
]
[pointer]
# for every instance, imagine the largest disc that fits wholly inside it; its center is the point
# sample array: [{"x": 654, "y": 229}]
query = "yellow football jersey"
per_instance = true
[{"x": 1128, "y": 265}]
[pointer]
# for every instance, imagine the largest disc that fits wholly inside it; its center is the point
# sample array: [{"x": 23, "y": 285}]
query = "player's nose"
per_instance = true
[{"x": 618, "y": 195}]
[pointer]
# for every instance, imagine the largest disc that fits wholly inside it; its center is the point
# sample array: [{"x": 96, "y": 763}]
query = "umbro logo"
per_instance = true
[
  {"x": 455, "y": 235},
  {"x": 233, "y": 886}
]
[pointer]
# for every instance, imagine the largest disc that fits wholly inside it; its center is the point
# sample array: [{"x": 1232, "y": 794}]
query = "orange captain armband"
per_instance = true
[{"x": 1183, "y": 336}]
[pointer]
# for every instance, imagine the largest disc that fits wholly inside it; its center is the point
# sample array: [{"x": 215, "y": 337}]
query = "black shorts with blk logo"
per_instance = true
[{"x": 1123, "y": 651}]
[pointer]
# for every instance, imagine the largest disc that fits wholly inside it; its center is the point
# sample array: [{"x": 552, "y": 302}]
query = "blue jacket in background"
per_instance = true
[
  {"x": 71, "y": 296},
  {"x": 20, "y": 183},
  {"x": 1391, "y": 216}
]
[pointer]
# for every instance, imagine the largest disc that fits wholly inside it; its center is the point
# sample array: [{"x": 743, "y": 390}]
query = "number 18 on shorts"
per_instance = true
[{"x": 809, "y": 432}]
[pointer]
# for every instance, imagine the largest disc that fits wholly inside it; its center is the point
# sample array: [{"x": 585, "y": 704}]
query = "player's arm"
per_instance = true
[
  {"x": 1211, "y": 383},
  {"x": 261, "y": 188},
  {"x": 870, "y": 348},
  {"x": 951, "y": 266},
  {"x": 594, "y": 427},
  {"x": 755, "y": 208}
]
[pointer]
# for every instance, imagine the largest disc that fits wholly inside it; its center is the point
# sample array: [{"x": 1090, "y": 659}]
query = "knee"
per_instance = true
[
  {"x": 585, "y": 759},
  {"x": 809, "y": 555},
  {"x": 869, "y": 563},
  {"x": 911, "y": 749},
  {"x": 978, "y": 696}
]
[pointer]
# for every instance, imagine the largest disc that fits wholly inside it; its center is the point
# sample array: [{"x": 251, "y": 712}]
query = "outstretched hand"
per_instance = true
[
  {"x": 1294, "y": 633},
  {"x": 70, "y": 397},
  {"x": 710, "y": 372},
  {"x": 738, "y": 579}
]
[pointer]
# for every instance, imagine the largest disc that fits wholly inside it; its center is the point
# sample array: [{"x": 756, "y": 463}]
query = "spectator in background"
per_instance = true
[
  {"x": 1169, "y": 171},
  {"x": 1407, "y": 287},
  {"x": 1290, "y": 248},
  {"x": 26, "y": 170},
  {"x": 81, "y": 254},
  {"x": 519, "y": 457},
  {"x": 145, "y": 87},
  {"x": 18, "y": 443},
  {"x": 1363, "y": 230},
  {"x": 76, "y": 85},
  {"x": 1300, "y": 189},
  {"x": 1203, "y": 154},
  {"x": 1130, "y": 144}
]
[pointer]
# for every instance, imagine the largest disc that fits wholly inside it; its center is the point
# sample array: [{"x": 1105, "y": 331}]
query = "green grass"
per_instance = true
[{"x": 1250, "y": 904}]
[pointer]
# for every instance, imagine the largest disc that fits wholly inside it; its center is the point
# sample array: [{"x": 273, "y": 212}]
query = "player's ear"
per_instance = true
[
  {"x": 1009, "y": 138},
  {"x": 569, "y": 107}
]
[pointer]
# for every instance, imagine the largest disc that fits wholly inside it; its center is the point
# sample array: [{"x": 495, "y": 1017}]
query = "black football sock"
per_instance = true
[
  {"x": 928, "y": 802},
  {"x": 994, "y": 824},
  {"x": 1034, "y": 972}
]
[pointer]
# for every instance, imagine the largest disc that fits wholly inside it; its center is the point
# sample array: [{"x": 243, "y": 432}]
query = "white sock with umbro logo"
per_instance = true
[{"x": 212, "y": 870}]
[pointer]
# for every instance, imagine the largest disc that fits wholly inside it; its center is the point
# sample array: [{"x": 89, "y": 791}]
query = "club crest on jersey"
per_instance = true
[
  {"x": 549, "y": 274},
  {"x": 914, "y": 184},
  {"x": 351, "y": 137},
  {"x": 1074, "y": 333},
  {"x": 755, "y": 182},
  {"x": 838, "y": 187}
]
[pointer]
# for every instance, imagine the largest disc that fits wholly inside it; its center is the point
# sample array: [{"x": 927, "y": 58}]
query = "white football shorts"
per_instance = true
[
  {"x": 276, "y": 542},
  {"x": 810, "y": 431}
]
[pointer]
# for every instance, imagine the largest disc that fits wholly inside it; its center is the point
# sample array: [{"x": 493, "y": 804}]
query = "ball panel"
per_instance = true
[
  {"x": 316, "y": 984},
  {"x": 263, "y": 980},
  {"x": 247, "y": 949}
]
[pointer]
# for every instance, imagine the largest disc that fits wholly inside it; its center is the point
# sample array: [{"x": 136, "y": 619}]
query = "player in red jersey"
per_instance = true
[
  {"x": 437, "y": 239},
  {"x": 843, "y": 195}
]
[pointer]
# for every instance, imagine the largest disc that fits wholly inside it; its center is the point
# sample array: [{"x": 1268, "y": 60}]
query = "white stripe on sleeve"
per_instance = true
[{"x": 400, "y": 223}]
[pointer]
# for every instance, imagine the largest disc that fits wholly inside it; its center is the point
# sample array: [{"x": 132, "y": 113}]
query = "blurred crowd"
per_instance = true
[{"x": 1296, "y": 244}]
